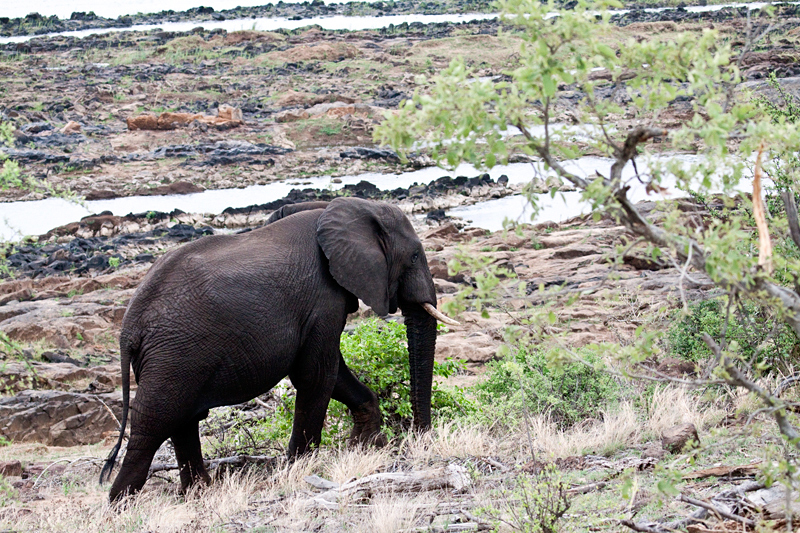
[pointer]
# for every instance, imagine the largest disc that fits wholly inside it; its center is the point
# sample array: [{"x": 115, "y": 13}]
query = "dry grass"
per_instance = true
[
  {"x": 449, "y": 439},
  {"x": 673, "y": 405},
  {"x": 391, "y": 513},
  {"x": 617, "y": 429},
  {"x": 280, "y": 498},
  {"x": 352, "y": 463}
]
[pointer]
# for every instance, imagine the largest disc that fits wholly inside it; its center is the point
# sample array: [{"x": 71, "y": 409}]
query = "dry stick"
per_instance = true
[
  {"x": 213, "y": 463},
  {"x": 714, "y": 509},
  {"x": 764, "y": 243},
  {"x": 785, "y": 384},
  {"x": 109, "y": 410}
]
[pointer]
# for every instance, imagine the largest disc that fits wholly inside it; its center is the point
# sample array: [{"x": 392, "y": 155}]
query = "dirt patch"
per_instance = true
[{"x": 320, "y": 52}]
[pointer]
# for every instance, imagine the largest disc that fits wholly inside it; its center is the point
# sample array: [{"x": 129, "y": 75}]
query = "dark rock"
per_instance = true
[
  {"x": 36, "y": 127},
  {"x": 10, "y": 468},
  {"x": 97, "y": 262},
  {"x": 363, "y": 189},
  {"x": 59, "y": 357},
  {"x": 369, "y": 153}
]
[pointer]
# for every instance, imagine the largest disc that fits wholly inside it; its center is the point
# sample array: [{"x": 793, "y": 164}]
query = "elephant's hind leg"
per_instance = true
[
  {"x": 190, "y": 459},
  {"x": 136, "y": 465}
]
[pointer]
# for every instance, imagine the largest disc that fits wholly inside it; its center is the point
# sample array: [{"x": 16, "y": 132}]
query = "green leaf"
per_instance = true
[
  {"x": 606, "y": 51},
  {"x": 549, "y": 85}
]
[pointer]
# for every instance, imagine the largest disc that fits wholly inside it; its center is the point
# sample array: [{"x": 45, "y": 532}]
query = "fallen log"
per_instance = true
[
  {"x": 236, "y": 460},
  {"x": 454, "y": 477}
]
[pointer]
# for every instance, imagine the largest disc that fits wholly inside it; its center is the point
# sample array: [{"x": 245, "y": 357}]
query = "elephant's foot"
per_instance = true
[
  {"x": 193, "y": 477},
  {"x": 367, "y": 426}
]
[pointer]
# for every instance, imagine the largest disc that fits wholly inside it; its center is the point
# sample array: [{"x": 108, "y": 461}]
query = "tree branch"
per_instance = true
[
  {"x": 738, "y": 378},
  {"x": 791, "y": 215},
  {"x": 717, "y": 510}
]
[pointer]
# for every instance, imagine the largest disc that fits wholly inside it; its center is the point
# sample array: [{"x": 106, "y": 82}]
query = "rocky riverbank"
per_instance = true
[
  {"x": 67, "y": 321},
  {"x": 141, "y": 113}
]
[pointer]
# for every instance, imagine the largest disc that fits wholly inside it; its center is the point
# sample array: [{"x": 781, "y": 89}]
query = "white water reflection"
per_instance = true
[
  {"x": 335, "y": 22},
  {"x": 491, "y": 214},
  {"x": 103, "y": 8},
  {"x": 38, "y": 217},
  {"x": 64, "y": 8}
]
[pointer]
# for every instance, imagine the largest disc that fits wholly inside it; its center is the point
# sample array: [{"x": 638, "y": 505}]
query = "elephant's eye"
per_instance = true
[{"x": 414, "y": 258}]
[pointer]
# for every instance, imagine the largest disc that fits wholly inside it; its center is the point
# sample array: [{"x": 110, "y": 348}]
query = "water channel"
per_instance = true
[
  {"x": 37, "y": 217},
  {"x": 335, "y": 22}
]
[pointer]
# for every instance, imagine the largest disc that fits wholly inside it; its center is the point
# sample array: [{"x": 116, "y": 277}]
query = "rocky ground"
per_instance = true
[
  {"x": 233, "y": 109},
  {"x": 223, "y": 110}
]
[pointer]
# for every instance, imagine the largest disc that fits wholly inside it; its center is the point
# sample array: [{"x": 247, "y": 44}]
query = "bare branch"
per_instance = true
[
  {"x": 785, "y": 384},
  {"x": 717, "y": 510},
  {"x": 764, "y": 243},
  {"x": 628, "y": 151},
  {"x": 550, "y": 160},
  {"x": 738, "y": 378},
  {"x": 237, "y": 460}
]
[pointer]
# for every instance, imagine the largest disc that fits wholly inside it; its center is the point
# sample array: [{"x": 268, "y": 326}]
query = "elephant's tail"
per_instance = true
[{"x": 125, "y": 363}]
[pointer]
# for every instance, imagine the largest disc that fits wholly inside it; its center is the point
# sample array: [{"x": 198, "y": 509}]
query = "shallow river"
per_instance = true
[
  {"x": 37, "y": 217},
  {"x": 63, "y": 8},
  {"x": 103, "y": 8}
]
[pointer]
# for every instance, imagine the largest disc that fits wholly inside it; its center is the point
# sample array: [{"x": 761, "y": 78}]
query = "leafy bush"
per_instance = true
[
  {"x": 569, "y": 392},
  {"x": 751, "y": 328},
  {"x": 530, "y": 503},
  {"x": 377, "y": 354}
]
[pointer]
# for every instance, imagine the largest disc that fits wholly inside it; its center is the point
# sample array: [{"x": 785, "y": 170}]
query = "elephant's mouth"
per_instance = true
[{"x": 438, "y": 315}]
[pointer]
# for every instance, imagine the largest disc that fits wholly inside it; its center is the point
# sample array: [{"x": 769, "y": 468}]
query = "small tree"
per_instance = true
[{"x": 469, "y": 120}]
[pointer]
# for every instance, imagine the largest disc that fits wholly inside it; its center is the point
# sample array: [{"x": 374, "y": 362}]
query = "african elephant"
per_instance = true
[{"x": 223, "y": 319}]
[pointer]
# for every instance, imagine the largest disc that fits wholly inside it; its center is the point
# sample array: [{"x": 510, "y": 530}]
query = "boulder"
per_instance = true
[
  {"x": 71, "y": 127},
  {"x": 56, "y": 418},
  {"x": 476, "y": 348},
  {"x": 227, "y": 116},
  {"x": 10, "y": 468},
  {"x": 291, "y": 115},
  {"x": 676, "y": 438}
]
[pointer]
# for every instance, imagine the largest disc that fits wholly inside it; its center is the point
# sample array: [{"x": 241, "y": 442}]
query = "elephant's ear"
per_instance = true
[{"x": 353, "y": 238}]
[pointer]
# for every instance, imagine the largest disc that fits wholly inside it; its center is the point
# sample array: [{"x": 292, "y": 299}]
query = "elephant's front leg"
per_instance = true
[
  {"x": 363, "y": 404},
  {"x": 186, "y": 442},
  {"x": 314, "y": 387}
]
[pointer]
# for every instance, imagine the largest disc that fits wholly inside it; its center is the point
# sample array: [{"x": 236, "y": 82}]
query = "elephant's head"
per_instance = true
[{"x": 375, "y": 254}]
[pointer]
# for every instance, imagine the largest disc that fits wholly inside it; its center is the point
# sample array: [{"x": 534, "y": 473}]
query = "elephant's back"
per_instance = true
[{"x": 224, "y": 287}]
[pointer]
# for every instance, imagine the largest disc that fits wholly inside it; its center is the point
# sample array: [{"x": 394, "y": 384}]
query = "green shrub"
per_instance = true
[
  {"x": 377, "y": 354},
  {"x": 758, "y": 337},
  {"x": 568, "y": 392}
]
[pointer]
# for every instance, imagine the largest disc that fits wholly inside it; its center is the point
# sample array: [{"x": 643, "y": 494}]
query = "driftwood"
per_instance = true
[
  {"x": 236, "y": 460},
  {"x": 454, "y": 477},
  {"x": 717, "y": 505},
  {"x": 720, "y": 471},
  {"x": 583, "y": 489}
]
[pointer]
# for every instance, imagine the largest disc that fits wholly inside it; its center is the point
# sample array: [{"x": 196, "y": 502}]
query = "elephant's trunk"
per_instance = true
[{"x": 421, "y": 331}]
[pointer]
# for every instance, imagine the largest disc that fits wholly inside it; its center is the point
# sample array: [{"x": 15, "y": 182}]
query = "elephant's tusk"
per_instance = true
[{"x": 438, "y": 315}]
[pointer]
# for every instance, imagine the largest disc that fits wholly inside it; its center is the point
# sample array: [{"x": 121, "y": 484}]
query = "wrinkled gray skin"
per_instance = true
[{"x": 223, "y": 319}]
